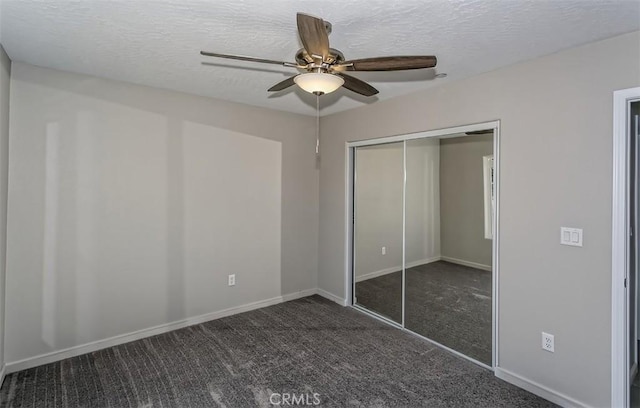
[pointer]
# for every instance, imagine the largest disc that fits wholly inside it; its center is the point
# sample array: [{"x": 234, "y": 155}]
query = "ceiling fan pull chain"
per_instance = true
[{"x": 317, "y": 125}]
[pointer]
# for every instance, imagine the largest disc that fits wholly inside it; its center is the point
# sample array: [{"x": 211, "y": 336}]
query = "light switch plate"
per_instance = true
[{"x": 571, "y": 236}]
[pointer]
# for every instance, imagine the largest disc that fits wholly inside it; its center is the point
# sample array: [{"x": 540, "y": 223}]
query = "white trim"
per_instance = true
[
  {"x": 496, "y": 246},
  {"x": 297, "y": 295},
  {"x": 393, "y": 269},
  {"x": 376, "y": 274},
  {"x": 349, "y": 259},
  {"x": 487, "y": 167},
  {"x": 467, "y": 263},
  {"x": 74, "y": 351},
  {"x": 538, "y": 389},
  {"x": 619, "y": 238},
  {"x": 404, "y": 230},
  {"x": 453, "y": 131},
  {"x": 332, "y": 297},
  {"x": 2, "y": 374}
]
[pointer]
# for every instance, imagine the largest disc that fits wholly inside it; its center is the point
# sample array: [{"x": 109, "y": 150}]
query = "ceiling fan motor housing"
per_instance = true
[{"x": 335, "y": 57}]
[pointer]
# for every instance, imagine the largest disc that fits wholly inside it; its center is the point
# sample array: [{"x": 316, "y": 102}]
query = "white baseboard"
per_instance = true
[
  {"x": 375, "y": 274},
  {"x": 387, "y": 271},
  {"x": 466, "y": 263},
  {"x": 332, "y": 297},
  {"x": 298, "y": 295},
  {"x": 538, "y": 389},
  {"x": 141, "y": 334}
]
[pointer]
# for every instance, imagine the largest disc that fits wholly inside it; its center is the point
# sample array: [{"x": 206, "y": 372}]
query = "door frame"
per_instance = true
[
  {"x": 349, "y": 214},
  {"x": 620, "y": 241}
]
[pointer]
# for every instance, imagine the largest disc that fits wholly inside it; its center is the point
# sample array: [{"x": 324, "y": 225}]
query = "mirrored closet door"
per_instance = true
[
  {"x": 423, "y": 237},
  {"x": 377, "y": 246}
]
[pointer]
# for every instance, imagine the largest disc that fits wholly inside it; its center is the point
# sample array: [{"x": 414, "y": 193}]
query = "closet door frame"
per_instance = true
[{"x": 350, "y": 217}]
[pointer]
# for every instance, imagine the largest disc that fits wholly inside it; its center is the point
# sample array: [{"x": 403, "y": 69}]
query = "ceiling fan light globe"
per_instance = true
[{"x": 318, "y": 82}]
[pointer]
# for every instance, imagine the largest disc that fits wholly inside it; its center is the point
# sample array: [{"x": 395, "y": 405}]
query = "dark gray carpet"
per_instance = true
[
  {"x": 448, "y": 303},
  {"x": 305, "y": 346}
]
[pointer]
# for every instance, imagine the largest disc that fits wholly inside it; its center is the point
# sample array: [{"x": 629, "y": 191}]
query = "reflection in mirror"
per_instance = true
[
  {"x": 378, "y": 208},
  {"x": 448, "y": 242}
]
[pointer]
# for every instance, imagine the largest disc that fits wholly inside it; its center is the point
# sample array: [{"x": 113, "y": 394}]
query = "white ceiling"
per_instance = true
[{"x": 157, "y": 43}]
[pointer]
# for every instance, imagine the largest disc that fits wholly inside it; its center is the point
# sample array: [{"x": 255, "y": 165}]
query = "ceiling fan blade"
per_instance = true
[
  {"x": 283, "y": 84},
  {"x": 251, "y": 59},
  {"x": 358, "y": 86},
  {"x": 314, "y": 37},
  {"x": 388, "y": 63}
]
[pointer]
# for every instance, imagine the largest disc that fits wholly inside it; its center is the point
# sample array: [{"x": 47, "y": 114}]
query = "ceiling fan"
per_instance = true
[{"x": 325, "y": 67}]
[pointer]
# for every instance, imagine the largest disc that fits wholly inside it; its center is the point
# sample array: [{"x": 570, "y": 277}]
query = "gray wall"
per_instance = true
[
  {"x": 5, "y": 74},
  {"x": 462, "y": 198},
  {"x": 556, "y": 170},
  {"x": 123, "y": 198}
]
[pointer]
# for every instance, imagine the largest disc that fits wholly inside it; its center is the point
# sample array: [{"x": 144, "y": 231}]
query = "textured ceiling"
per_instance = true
[{"x": 157, "y": 43}]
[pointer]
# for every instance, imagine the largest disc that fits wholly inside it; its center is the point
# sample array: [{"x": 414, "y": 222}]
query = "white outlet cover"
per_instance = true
[{"x": 548, "y": 342}]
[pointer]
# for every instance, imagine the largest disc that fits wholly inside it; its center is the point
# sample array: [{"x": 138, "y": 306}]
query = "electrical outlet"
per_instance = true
[
  {"x": 547, "y": 342},
  {"x": 384, "y": 250},
  {"x": 232, "y": 280}
]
